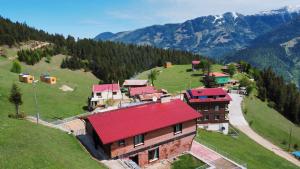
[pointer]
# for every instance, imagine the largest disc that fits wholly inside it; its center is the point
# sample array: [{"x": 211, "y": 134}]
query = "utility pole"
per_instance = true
[
  {"x": 290, "y": 138},
  {"x": 36, "y": 103}
]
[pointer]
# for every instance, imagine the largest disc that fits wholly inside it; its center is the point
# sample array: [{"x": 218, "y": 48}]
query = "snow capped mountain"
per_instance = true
[{"x": 212, "y": 35}]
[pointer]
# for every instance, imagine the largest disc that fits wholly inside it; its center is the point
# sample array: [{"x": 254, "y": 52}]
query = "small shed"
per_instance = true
[
  {"x": 135, "y": 83},
  {"x": 168, "y": 64},
  {"x": 48, "y": 79},
  {"x": 195, "y": 64},
  {"x": 220, "y": 78},
  {"x": 26, "y": 78}
]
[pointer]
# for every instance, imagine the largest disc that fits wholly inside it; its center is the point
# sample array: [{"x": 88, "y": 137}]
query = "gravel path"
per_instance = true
[{"x": 236, "y": 118}]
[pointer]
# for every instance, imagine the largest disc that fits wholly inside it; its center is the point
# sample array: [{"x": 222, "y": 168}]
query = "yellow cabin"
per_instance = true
[
  {"x": 48, "y": 79},
  {"x": 26, "y": 78},
  {"x": 168, "y": 64}
]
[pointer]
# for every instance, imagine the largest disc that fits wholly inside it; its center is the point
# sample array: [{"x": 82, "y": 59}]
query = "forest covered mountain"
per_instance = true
[
  {"x": 207, "y": 35},
  {"x": 278, "y": 49},
  {"x": 109, "y": 61}
]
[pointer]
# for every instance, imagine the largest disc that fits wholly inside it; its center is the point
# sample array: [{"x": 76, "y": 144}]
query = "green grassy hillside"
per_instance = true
[
  {"x": 53, "y": 103},
  {"x": 243, "y": 149},
  {"x": 270, "y": 123},
  {"x": 26, "y": 145},
  {"x": 178, "y": 77}
]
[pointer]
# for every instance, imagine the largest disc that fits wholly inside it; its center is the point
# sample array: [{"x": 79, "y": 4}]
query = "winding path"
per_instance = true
[{"x": 236, "y": 118}]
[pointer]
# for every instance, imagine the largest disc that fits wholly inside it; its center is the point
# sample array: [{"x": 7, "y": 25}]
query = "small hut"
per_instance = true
[
  {"x": 168, "y": 64},
  {"x": 195, "y": 64},
  {"x": 26, "y": 78},
  {"x": 48, "y": 79}
]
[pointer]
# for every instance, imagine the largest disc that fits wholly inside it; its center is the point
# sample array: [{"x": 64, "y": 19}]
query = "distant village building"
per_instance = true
[
  {"x": 135, "y": 83},
  {"x": 103, "y": 92},
  {"x": 136, "y": 91},
  {"x": 48, "y": 79},
  {"x": 212, "y": 103},
  {"x": 148, "y": 93},
  {"x": 195, "y": 65},
  {"x": 26, "y": 78},
  {"x": 220, "y": 78},
  {"x": 145, "y": 133},
  {"x": 168, "y": 64}
]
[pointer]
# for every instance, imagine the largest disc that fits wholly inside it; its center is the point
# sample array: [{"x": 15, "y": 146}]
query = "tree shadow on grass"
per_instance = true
[{"x": 189, "y": 70}]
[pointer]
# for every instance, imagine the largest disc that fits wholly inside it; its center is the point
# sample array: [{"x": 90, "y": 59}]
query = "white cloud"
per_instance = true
[{"x": 181, "y": 10}]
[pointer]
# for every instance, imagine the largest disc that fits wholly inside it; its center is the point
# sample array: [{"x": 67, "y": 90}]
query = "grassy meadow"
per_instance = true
[
  {"x": 270, "y": 124},
  {"x": 53, "y": 103},
  {"x": 24, "y": 144},
  {"x": 178, "y": 77},
  {"x": 243, "y": 149}
]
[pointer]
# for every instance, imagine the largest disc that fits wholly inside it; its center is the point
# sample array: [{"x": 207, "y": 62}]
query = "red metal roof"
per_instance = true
[
  {"x": 127, "y": 122},
  {"x": 208, "y": 92},
  {"x": 194, "y": 94},
  {"x": 196, "y": 62},
  {"x": 218, "y": 74},
  {"x": 106, "y": 87},
  {"x": 142, "y": 90}
]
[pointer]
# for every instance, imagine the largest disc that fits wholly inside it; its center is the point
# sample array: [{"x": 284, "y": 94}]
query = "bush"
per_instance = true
[
  {"x": 271, "y": 104},
  {"x": 284, "y": 142},
  {"x": 250, "y": 123},
  {"x": 16, "y": 67},
  {"x": 17, "y": 116},
  {"x": 48, "y": 59},
  {"x": 245, "y": 111},
  {"x": 295, "y": 146}
]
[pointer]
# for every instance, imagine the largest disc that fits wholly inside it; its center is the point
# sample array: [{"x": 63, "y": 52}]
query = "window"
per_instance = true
[
  {"x": 177, "y": 128},
  {"x": 99, "y": 94},
  {"x": 114, "y": 93},
  {"x": 138, "y": 140},
  {"x": 206, "y": 117},
  {"x": 217, "y": 108},
  {"x": 217, "y": 117},
  {"x": 153, "y": 154},
  {"x": 121, "y": 142}
]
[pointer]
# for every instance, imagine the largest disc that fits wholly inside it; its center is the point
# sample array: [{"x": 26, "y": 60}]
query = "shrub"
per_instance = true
[
  {"x": 16, "y": 67},
  {"x": 17, "y": 116},
  {"x": 245, "y": 111},
  {"x": 284, "y": 142},
  {"x": 295, "y": 146},
  {"x": 271, "y": 104},
  {"x": 250, "y": 123},
  {"x": 48, "y": 59}
]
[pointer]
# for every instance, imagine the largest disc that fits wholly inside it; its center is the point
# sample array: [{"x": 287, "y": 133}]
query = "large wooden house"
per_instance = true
[
  {"x": 212, "y": 103},
  {"x": 144, "y": 133}
]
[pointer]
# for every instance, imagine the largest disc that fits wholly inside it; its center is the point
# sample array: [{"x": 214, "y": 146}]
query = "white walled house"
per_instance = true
[{"x": 103, "y": 92}]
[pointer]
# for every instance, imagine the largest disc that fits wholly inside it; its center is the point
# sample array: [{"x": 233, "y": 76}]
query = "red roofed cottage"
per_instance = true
[
  {"x": 103, "y": 92},
  {"x": 213, "y": 104},
  {"x": 145, "y": 133}
]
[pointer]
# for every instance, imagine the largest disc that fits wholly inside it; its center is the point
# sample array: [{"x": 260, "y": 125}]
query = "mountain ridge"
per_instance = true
[{"x": 212, "y": 35}]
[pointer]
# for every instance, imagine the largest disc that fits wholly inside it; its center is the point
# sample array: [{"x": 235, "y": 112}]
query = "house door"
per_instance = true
[{"x": 135, "y": 158}]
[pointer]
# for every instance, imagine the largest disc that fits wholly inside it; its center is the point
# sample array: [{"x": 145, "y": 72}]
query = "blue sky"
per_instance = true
[{"x": 87, "y": 18}]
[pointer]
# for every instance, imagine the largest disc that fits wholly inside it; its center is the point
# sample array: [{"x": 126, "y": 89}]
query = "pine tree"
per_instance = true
[
  {"x": 16, "y": 97},
  {"x": 16, "y": 67}
]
